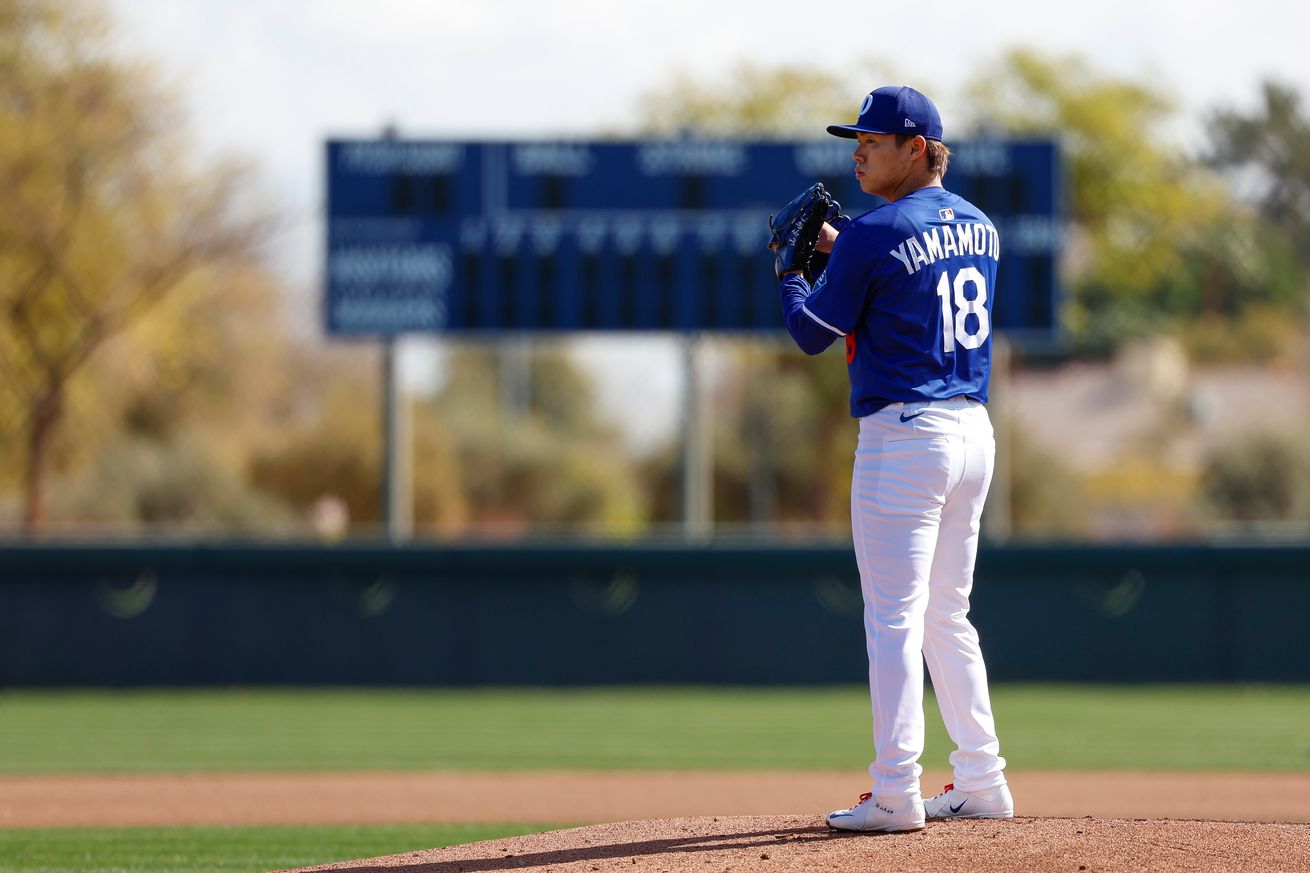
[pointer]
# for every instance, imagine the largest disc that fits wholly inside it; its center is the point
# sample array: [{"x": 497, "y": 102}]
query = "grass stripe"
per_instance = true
[
  {"x": 224, "y": 849},
  {"x": 1041, "y": 727}
]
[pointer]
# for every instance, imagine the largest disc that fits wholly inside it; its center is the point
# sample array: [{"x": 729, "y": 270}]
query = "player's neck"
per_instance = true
[{"x": 915, "y": 182}]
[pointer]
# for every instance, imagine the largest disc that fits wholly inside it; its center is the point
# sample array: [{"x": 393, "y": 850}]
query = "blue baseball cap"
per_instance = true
[{"x": 894, "y": 109}]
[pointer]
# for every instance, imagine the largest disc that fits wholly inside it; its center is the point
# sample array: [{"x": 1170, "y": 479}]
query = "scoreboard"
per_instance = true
[{"x": 648, "y": 235}]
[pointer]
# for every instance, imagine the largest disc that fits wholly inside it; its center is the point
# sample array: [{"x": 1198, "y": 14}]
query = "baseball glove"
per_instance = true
[{"x": 794, "y": 231}]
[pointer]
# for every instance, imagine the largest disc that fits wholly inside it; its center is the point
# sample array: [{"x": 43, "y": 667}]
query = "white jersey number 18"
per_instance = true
[{"x": 954, "y": 323}]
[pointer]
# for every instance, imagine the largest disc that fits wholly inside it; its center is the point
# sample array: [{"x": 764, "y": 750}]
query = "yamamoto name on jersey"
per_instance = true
[{"x": 961, "y": 239}]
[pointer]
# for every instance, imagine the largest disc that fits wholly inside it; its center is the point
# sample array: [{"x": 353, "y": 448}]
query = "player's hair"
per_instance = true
[{"x": 939, "y": 156}]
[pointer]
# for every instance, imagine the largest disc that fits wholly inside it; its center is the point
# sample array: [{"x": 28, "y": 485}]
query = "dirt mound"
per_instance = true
[{"x": 803, "y": 843}]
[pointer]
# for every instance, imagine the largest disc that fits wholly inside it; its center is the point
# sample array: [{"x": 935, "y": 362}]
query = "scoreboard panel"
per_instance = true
[{"x": 654, "y": 235}]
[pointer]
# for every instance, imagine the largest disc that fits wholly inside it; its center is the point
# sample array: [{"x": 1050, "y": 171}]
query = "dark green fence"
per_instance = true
[{"x": 584, "y": 614}]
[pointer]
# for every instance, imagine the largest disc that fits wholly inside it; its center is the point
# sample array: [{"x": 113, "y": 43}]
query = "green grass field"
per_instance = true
[
  {"x": 1042, "y": 727},
  {"x": 223, "y": 850}
]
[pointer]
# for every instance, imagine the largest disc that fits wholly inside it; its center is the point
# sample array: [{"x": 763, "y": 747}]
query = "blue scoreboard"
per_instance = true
[{"x": 651, "y": 235}]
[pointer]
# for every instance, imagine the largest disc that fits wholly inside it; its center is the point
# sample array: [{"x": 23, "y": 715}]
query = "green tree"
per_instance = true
[
  {"x": 159, "y": 427},
  {"x": 1046, "y": 496},
  {"x": 1156, "y": 241},
  {"x": 1132, "y": 197},
  {"x": 1264, "y": 478},
  {"x": 333, "y": 452},
  {"x": 138, "y": 484},
  {"x": 755, "y": 101},
  {"x": 102, "y": 216},
  {"x": 548, "y": 464},
  {"x": 1266, "y": 154},
  {"x": 784, "y": 437}
]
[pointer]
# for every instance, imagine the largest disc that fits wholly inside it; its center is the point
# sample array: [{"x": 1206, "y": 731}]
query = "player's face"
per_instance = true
[{"x": 880, "y": 165}]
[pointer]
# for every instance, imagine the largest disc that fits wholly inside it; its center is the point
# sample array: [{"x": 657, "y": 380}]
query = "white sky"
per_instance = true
[{"x": 272, "y": 79}]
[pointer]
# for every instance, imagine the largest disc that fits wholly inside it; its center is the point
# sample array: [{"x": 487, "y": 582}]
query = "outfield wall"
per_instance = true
[{"x": 585, "y": 614}]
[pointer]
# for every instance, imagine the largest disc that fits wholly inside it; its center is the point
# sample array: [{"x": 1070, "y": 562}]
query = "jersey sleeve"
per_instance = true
[
  {"x": 832, "y": 308},
  {"x": 811, "y": 336}
]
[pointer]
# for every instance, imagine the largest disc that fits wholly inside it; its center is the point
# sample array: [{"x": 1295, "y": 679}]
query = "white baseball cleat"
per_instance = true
[
  {"x": 954, "y": 803},
  {"x": 880, "y": 815}
]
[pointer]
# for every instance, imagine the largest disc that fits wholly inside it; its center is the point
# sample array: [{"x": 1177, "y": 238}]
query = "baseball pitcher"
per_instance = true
[{"x": 908, "y": 287}]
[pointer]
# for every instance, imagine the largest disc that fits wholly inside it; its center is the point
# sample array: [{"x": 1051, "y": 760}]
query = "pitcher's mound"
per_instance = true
[{"x": 786, "y": 843}]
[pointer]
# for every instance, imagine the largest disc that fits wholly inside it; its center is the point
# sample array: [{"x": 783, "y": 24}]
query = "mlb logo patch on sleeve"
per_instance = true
[{"x": 947, "y": 214}]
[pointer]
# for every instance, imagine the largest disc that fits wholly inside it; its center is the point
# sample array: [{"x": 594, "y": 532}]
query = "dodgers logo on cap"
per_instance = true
[{"x": 893, "y": 109}]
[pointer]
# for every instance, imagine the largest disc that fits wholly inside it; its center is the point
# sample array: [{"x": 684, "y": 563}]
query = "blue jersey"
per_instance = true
[{"x": 909, "y": 285}]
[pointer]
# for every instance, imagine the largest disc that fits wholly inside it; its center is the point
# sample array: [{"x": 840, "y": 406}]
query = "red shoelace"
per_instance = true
[{"x": 950, "y": 786}]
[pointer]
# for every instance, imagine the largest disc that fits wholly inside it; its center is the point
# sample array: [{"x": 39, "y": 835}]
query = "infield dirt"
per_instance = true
[
  {"x": 719, "y": 821},
  {"x": 571, "y": 796}
]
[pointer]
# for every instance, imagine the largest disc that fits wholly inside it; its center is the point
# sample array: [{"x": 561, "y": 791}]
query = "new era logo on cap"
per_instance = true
[{"x": 909, "y": 123}]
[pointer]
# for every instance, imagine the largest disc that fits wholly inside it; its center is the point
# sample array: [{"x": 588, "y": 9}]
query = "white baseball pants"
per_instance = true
[{"x": 921, "y": 476}]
